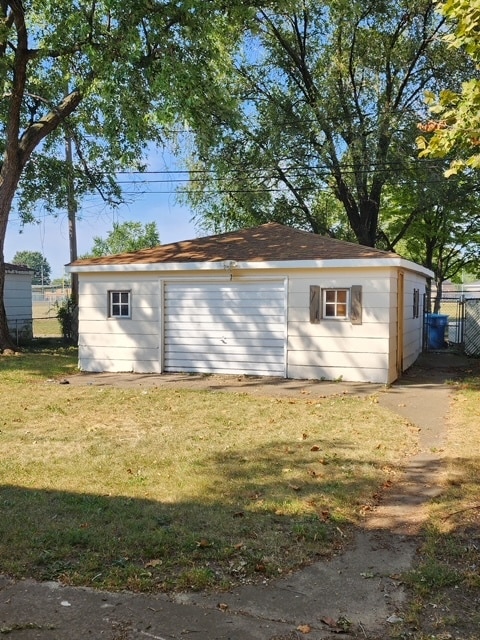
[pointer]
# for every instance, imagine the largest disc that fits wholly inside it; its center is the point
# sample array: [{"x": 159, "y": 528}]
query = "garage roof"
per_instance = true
[{"x": 269, "y": 242}]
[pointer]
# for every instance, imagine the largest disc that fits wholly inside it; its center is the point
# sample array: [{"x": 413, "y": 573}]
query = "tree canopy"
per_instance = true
[
  {"x": 110, "y": 76},
  {"x": 327, "y": 97},
  {"x": 125, "y": 237},
  {"x": 39, "y": 265},
  {"x": 456, "y": 125}
]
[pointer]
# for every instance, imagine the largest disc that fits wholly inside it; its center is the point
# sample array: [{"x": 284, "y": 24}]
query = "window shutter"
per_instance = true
[
  {"x": 314, "y": 304},
  {"x": 356, "y": 304}
]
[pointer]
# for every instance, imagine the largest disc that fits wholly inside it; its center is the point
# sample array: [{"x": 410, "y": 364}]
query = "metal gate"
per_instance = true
[
  {"x": 462, "y": 329},
  {"x": 472, "y": 327}
]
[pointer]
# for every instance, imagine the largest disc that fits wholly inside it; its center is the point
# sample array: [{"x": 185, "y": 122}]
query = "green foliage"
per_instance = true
[
  {"x": 125, "y": 237},
  {"x": 442, "y": 230},
  {"x": 110, "y": 76},
  {"x": 457, "y": 115},
  {"x": 37, "y": 263},
  {"x": 67, "y": 316},
  {"x": 323, "y": 106}
]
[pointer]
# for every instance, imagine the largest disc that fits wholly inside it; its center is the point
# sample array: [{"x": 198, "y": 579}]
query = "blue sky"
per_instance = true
[{"x": 50, "y": 235}]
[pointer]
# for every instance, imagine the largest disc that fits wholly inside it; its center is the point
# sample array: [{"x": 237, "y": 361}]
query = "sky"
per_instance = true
[{"x": 155, "y": 202}]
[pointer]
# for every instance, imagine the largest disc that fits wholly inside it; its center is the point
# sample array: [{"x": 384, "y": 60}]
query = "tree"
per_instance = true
[
  {"x": 125, "y": 237},
  {"x": 328, "y": 103},
  {"x": 109, "y": 76},
  {"x": 456, "y": 125},
  {"x": 442, "y": 230},
  {"x": 35, "y": 261}
]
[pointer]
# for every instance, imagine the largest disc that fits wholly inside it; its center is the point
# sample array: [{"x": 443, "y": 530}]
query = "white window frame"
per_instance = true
[
  {"x": 335, "y": 303},
  {"x": 124, "y": 302}
]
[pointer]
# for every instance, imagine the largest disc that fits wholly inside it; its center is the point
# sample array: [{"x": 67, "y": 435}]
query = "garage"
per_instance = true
[
  {"x": 264, "y": 301},
  {"x": 234, "y": 327}
]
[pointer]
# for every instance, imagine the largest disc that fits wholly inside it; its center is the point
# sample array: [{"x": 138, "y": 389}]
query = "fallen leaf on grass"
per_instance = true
[
  {"x": 315, "y": 448},
  {"x": 203, "y": 543},
  {"x": 153, "y": 563}
]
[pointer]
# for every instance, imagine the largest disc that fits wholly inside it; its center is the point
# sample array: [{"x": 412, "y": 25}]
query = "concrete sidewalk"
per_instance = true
[{"x": 360, "y": 586}]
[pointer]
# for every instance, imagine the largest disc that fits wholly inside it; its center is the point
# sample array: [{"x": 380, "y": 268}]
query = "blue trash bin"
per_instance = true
[{"x": 436, "y": 327}]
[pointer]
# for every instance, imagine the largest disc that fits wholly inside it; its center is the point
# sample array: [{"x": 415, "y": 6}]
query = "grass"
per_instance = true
[
  {"x": 45, "y": 322},
  {"x": 445, "y": 584},
  {"x": 162, "y": 490}
]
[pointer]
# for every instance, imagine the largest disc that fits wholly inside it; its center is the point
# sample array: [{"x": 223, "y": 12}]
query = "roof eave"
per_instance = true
[{"x": 228, "y": 265}]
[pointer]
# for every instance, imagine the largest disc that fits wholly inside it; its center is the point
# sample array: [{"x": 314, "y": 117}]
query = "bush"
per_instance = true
[{"x": 67, "y": 315}]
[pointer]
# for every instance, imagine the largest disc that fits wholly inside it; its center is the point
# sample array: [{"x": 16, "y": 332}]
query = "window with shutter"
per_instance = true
[{"x": 336, "y": 304}]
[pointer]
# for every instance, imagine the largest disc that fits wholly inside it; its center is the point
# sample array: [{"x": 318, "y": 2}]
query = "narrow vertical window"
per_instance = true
[
  {"x": 416, "y": 303},
  {"x": 119, "y": 305}
]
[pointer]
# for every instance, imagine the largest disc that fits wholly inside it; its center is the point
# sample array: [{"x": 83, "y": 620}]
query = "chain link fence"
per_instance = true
[
  {"x": 462, "y": 325},
  {"x": 472, "y": 327}
]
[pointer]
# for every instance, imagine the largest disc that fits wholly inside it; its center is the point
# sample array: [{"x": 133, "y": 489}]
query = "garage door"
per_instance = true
[{"x": 225, "y": 328}]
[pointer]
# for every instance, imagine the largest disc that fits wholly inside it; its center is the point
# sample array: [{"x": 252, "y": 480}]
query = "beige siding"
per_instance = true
[
  {"x": 412, "y": 341},
  {"x": 250, "y": 334},
  {"x": 334, "y": 349},
  {"x": 114, "y": 344}
]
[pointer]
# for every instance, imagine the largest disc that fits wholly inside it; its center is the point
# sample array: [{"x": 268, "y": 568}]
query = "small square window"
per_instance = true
[
  {"x": 119, "y": 304},
  {"x": 335, "y": 303}
]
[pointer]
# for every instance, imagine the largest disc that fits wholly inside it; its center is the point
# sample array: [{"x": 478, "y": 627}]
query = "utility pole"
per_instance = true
[{"x": 72, "y": 215}]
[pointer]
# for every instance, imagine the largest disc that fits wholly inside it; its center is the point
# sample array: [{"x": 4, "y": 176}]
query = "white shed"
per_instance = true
[
  {"x": 17, "y": 299},
  {"x": 269, "y": 300}
]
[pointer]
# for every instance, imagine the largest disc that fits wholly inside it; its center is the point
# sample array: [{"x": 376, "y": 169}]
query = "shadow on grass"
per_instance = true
[
  {"x": 42, "y": 357},
  {"x": 237, "y": 531}
]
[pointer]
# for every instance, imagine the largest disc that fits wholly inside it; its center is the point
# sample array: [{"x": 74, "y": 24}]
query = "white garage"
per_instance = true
[
  {"x": 265, "y": 301},
  {"x": 225, "y": 328}
]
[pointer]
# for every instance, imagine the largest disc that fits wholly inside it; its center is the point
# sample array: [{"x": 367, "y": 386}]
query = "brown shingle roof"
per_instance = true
[{"x": 266, "y": 243}]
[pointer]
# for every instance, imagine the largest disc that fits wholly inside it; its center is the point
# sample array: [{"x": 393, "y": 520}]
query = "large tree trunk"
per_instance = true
[{"x": 9, "y": 177}]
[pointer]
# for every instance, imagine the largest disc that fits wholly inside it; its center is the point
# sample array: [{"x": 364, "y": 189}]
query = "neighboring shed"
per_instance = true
[
  {"x": 269, "y": 300},
  {"x": 18, "y": 300}
]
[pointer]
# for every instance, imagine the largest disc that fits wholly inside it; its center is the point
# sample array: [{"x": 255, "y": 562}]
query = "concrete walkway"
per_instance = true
[{"x": 361, "y": 585}]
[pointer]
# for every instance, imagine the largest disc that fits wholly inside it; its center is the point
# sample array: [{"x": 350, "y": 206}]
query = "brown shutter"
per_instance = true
[
  {"x": 356, "y": 304},
  {"x": 314, "y": 304}
]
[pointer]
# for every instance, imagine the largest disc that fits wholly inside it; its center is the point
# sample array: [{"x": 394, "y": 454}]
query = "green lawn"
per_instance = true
[{"x": 159, "y": 489}]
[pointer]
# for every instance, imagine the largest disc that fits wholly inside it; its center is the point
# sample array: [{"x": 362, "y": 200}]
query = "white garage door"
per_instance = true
[{"x": 225, "y": 328}]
